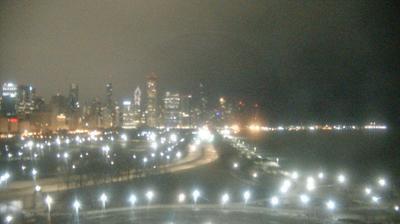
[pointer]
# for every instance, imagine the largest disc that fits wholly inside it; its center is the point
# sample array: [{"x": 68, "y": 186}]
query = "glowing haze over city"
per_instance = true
[{"x": 199, "y": 112}]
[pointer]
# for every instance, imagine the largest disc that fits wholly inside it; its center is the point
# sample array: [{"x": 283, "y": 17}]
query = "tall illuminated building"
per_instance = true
[
  {"x": 151, "y": 109},
  {"x": 171, "y": 109},
  {"x": 109, "y": 99},
  {"x": 137, "y": 98},
  {"x": 128, "y": 116},
  {"x": 9, "y": 99},
  {"x": 26, "y": 100},
  {"x": 109, "y": 112},
  {"x": 73, "y": 98},
  {"x": 185, "y": 111},
  {"x": 203, "y": 103}
]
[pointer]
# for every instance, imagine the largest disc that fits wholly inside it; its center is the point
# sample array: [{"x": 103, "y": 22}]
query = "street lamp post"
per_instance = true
[
  {"x": 246, "y": 197},
  {"x": 77, "y": 206},
  {"x": 103, "y": 199},
  {"x": 195, "y": 195},
  {"x": 48, "y": 201}
]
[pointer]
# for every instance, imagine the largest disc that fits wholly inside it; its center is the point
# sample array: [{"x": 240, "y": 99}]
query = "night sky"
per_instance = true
[{"x": 302, "y": 61}]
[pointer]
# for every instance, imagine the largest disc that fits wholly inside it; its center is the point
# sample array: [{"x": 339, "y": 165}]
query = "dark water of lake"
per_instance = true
[{"x": 361, "y": 154}]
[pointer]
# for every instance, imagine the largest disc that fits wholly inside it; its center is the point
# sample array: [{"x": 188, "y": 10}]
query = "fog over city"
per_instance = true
[
  {"x": 326, "y": 60},
  {"x": 200, "y": 112}
]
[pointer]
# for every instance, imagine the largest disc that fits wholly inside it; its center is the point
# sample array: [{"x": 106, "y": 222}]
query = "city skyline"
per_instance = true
[
  {"x": 334, "y": 61},
  {"x": 200, "y": 112}
]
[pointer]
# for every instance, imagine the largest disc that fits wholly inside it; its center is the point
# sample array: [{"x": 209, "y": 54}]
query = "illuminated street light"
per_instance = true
[
  {"x": 181, "y": 198},
  {"x": 132, "y": 199},
  {"x": 285, "y": 186},
  {"x": 4, "y": 177},
  {"x": 66, "y": 155},
  {"x": 77, "y": 206},
  {"x": 304, "y": 199},
  {"x": 225, "y": 199},
  {"x": 103, "y": 199},
  {"x": 48, "y": 201},
  {"x": 173, "y": 137},
  {"x": 321, "y": 175},
  {"x": 8, "y": 219},
  {"x": 330, "y": 205},
  {"x": 341, "y": 179},
  {"x": 149, "y": 195},
  {"x": 375, "y": 199},
  {"x": 246, "y": 196},
  {"x": 195, "y": 195},
  {"x": 367, "y": 191},
  {"x": 34, "y": 172},
  {"x": 382, "y": 182},
  {"x": 274, "y": 201},
  {"x": 124, "y": 137},
  {"x": 105, "y": 149},
  {"x": 178, "y": 155},
  {"x": 38, "y": 188},
  {"x": 310, "y": 185},
  {"x": 294, "y": 175},
  {"x": 396, "y": 208},
  {"x": 235, "y": 165},
  {"x": 154, "y": 145}
]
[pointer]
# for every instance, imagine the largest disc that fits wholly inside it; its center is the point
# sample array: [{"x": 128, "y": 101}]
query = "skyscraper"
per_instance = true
[
  {"x": 171, "y": 109},
  {"x": 128, "y": 117},
  {"x": 109, "y": 99},
  {"x": 151, "y": 110},
  {"x": 202, "y": 103},
  {"x": 185, "y": 111},
  {"x": 109, "y": 113},
  {"x": 9, "y": 99},
  {"x": 73, "y": 98},
  {"x": 137, "y": 98},
  {"x": 26, "y": 100}
]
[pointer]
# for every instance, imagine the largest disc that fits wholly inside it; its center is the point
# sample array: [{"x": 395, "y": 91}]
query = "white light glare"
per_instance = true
[
  {"x": 382, "y": 182},
  {"x": 375, "y": 199},
  {"x": 367, "y": 191},
  {"x": 105, "y": 149},
  {"x": 178, "y": 155},
  {"x": 124, "y": 137},
  {"x": 181, "y": 198},
  {"x": 294, "y": 175},
  {"x": 224, "y": 199},
  {"x": 173, "y": 137},
  {"x": 76, "y": 205},
  {"x": 304, "y": 199},
  {"x": 341, "y": 179},
  {"x": 274, "y": 201},
  {"x": 154, "y": 145},
  {"x": 132, "y": 199},
  {"x": 285, "y": 186},
  {"x": 331, "y": 205},
  {"x": 34, "y": 172},
  {"x": 246, "y": 196},
  {"x": 8, "y": 219},
  {"x": 149, "y": 195},
  {"x": 103, "y": 198},
  {"x": 321, "y": 175},
  {"x": 195, "y": 195},
  {"x": 310, "y": 185},
  {"x": 48, "y": 201}
]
